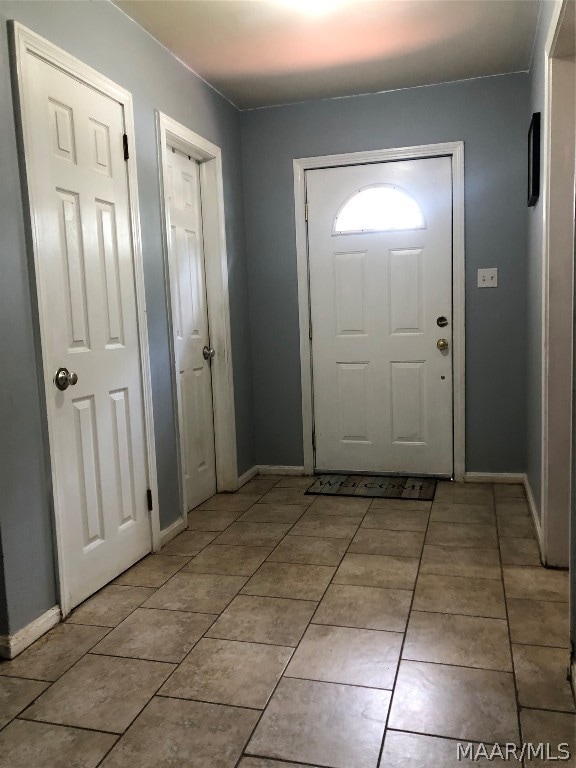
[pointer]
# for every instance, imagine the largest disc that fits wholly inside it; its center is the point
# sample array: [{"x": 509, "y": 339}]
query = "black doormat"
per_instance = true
[{"x": 380, "y": 487}]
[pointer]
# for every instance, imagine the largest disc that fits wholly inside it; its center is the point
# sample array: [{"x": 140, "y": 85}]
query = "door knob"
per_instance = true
[
  {"x": 442, "y": 344},
  {"x": 208, "y": 353},
  {"x": 64, "y": 379}
]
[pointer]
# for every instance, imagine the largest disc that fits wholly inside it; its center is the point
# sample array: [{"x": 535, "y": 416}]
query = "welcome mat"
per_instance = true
[{"x": 381, "y": 487}]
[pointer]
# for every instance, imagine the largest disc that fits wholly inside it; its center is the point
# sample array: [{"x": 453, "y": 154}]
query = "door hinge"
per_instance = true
[
  {"x": 305, "y": 211},
  {"x": 149, "y": 499},
  {"x": 125, "y": 145}
]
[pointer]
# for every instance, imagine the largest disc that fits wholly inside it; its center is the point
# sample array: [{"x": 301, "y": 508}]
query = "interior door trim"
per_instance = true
[
  {"x": 26, "y": 43},
  {"x": 216, "y": 270},
  {"x": 454, "y": 150}
]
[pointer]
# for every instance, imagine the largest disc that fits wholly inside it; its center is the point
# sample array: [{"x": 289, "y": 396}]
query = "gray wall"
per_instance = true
[
  {"x": 490, "y": 116},
  {"x": 534, "y": 298},
  {"x": 103, "y": 37}
]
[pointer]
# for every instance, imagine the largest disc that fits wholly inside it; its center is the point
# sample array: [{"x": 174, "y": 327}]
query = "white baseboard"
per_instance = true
[
  {"x": 269, "y": 469},
  {"x": 535, "y": 517},
  {"x": 172, "y": 531},
  {"x": 247, "y": 476},
  {"x": 12, "y": 645},
  {"x": 513, "y": 478}
]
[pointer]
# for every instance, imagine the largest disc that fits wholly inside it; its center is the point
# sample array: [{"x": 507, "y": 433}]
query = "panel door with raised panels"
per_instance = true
[
  {"x": 85, "y": 272},
  {"x": 380, "y": 261},
  {"x": 190, "y": 328}
]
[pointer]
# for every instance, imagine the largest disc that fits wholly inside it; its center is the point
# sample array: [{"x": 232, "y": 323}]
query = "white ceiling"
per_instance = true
[{"x": 265, "y": 52}]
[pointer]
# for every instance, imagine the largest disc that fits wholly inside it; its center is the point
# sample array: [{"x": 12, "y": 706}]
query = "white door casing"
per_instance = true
[
  {"x": 455, "y": 153},
  {"x": 83, "y": 212},
  {"x": 382, "y": 388},
  {"x": 190, "y": 328},
  {"x": 172, "y": 134}
]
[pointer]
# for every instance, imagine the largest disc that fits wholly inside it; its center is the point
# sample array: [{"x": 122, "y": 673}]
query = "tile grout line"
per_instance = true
[
  {"x": 405, "y": 634},
  {"x": 516, "y": 696}
]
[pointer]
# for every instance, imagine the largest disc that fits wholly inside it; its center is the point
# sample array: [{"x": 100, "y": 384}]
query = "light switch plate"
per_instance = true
[{"x": 488, "y": 278}]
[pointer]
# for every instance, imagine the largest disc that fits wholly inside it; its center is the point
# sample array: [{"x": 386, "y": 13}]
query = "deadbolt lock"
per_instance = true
[
  {"x": 442, "y": 344},
  {"x": 442, "y": 321},
  {"x": 208, "y": 353}
]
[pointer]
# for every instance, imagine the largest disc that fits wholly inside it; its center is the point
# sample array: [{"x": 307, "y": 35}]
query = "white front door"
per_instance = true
[
  {"x": 86, "y": 283},
  {"x": 190, "y": 328},
  {"x": 380, "y": 261}
]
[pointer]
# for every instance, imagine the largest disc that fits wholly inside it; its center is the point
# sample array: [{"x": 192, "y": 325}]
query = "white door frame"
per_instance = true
[
  {"x": 27, "y": 43},
  {"x": 557, "y": 181},
  {"x": 216, "y": 270},
  {"x": 454, "y": 150}
]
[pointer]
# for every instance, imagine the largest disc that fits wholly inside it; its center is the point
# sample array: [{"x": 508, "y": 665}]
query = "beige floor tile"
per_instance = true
[
  {"x": 329, "y": 527},
  {"x": 458, "y": 594},
  {"x": 378, "y": 571},
  {"x": 16, "y": 695},
  {"x": 339, "y": 506},
  {"x": 313, "y": 550},
  {"x": 152, "y": 571},
  {"x": 200, "y": 592},
  {"x": 54, "y": 653},
  {"x": 272, "y": 620},
  {"x": 478, "y": 514},
  {"x": 541, "y": 677},
  {"x": 296, "y": 482},
  {"x": 467, "y": 641},
  {"x": 259, "y": 762},
  {"x": 462, "y": 535},
  {"x": 211, "y": 520},
  {"x": 258, "y": 485},
  {"x": 188, "y": 543},
  {"x": 228, "y": 560},
  {"x": 460, "y": 703},
  {"x": 516, "y": 528},
  {"x": 364, "y": 607},
  {"x": 519, "y": 552},
  {"x": 103, "y": 693},
  {"x": 536, "y": 583},
  {"x": 371, "y": 541},
  {"x": 273, "y": 513},
  {"x": 295, "y": 580},
  {"x": 411, "y": 750},
  {"x": 228, "y": 672},
  {"x": 110, "y": 606},
  {"x": 403, "y": 505},
  {"x": 464, "y": 493},
  {"x": 507, "y": 508},
  {"x": 509, "y": 491},
  {"x": 349, "y": 656},
  {"x": 230, "y": 502},
  {"x": 287, "y": 496},
  {"x": 461, "y": 561},
  {"x": 396, "y": 520},
  {"x": 184, "y": 734},
  {"x": 156, "y": 635},
  {"x": 552, "y": 728},
  {"x": 538, "y": 622},
  {"x": 340, "y": 726},
  {"x": 39, "y": 745},
  {"x": 254, "y": 534}
]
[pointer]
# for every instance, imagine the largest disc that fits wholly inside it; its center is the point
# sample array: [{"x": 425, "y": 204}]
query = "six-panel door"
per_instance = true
[
  {"x": 85, "y": 272},
  {"x": 190, "y": 328}
]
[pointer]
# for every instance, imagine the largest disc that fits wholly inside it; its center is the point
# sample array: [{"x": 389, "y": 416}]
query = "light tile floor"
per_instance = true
[{"x": 284, "y": 630}]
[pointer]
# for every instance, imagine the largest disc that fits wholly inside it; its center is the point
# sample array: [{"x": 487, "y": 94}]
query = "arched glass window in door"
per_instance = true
[{"x": 378, "y": 208}]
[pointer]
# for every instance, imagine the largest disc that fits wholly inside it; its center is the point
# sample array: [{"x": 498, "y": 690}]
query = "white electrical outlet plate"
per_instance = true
[{"x": 488, "y": 278}]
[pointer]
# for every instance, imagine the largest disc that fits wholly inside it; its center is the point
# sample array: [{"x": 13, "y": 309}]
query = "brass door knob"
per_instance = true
[{"x": 442, "y": 344}]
